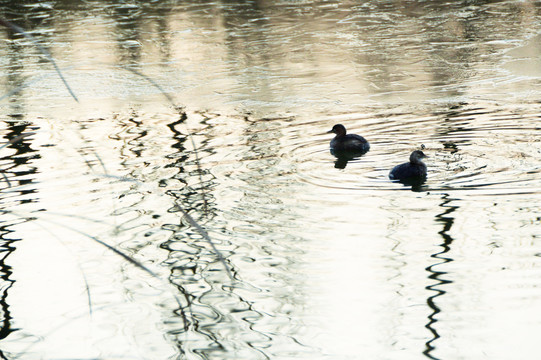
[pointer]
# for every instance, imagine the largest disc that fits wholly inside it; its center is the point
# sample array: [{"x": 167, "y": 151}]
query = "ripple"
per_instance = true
[{"x": 470, "y": 148}]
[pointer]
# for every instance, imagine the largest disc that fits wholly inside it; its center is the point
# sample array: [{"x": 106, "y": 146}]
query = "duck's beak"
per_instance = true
[{"x": 330, "y": 131}]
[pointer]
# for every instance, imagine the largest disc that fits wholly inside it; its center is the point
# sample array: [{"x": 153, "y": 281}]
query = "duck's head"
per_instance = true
[
  {"x": 416, "y": 156},
  {"x": 338, "y": 129}
]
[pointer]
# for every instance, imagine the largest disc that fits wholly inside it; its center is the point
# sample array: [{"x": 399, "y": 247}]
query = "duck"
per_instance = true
[
  {"x": 347, "y": 144},
  {"x": 412, "y": 171}
]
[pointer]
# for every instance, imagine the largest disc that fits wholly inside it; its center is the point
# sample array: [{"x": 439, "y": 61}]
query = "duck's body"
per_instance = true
[
  {"x": 414, "y": 170},
  {"x": 347, "y": 143}
]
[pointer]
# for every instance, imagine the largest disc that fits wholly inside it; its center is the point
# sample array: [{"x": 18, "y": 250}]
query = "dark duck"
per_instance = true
[
  {"x": 413, "y": 171},
  {"x": 347, "y": 145}
]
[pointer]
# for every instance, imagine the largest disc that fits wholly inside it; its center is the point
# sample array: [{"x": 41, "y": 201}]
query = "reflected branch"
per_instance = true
[
  {"x": 182, "y": 120},
  {"x": 20, "y": 160},
  {"x": 437, "y": 275},
  {"x": 5, "y": 276}
]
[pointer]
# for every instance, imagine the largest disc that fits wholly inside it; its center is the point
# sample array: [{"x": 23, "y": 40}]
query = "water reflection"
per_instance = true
[
  {"x": 133, "y": 22},
  {"x": 17, "y": 170},
  {"x": 5, "y": 274},
  {"x": 385, "y": 49},
  {"x": 342, "y": 161},
  {"x": 439, "y": 276},
  {"x": 192, "y": 261},
  {"x": 14, "y": 78},
  {"x": 128, "y": 22},
  {"x": 194, "y": 195},
  {"x": 19, "y": 167},
  {"x": 416, "y": 185},
  {"x": 265, "y": 186}
]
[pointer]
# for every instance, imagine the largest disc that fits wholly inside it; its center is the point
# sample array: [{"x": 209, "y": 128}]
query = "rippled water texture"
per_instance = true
[{"x": 221, "y": 110}]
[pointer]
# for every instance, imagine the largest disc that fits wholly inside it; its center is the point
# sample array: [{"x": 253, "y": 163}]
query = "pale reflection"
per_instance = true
[
  {"x": 15, "y": 80},
  {"x": 259, "y": 53},
  {"x": 328, "y": 263},
  {"x": 128, "y": 28}
]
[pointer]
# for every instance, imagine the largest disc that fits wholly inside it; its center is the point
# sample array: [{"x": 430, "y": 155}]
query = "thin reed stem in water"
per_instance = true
[
  {"x": 85, "y": 280},
  {"x": 183, "y": 118},
  {"x": 16, "y": 139},
  {"x": 21, "y": 31},
  {"x": 206, "y": 236},
  {"x": 120, "y": 253}
]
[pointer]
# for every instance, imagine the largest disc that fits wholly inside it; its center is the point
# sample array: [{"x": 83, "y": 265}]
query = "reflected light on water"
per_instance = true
[{"x": 331, "y": 260}]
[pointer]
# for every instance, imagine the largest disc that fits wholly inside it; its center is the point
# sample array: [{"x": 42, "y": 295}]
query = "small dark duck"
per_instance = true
[
  {"x": 412, "y": 171},
  {"x": 347, "y": 144}
]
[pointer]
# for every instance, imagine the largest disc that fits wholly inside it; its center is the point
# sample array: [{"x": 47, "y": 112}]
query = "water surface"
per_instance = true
[{"x": 330, "y": 259}]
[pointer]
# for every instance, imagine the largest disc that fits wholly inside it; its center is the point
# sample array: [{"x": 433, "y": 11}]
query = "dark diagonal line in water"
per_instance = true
[
  {"x": 152, "y": 82},
  {"x": 207, "y": 238},
  {"x": 437, "y": 275},
  {"x": 21, "y": 31},
  {"x": 120, "y": 253},
  {"x": 6, "y": 179},
  {"x": 81, "y": 271}
]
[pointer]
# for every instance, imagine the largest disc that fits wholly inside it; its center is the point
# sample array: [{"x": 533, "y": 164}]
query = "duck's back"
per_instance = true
[
  {"x": 350, "y": 142},
  {"x": 408, "y": 171}
]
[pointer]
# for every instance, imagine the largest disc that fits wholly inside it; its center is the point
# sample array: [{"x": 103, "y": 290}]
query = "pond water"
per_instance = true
[{"x": 220, "y": 110}]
